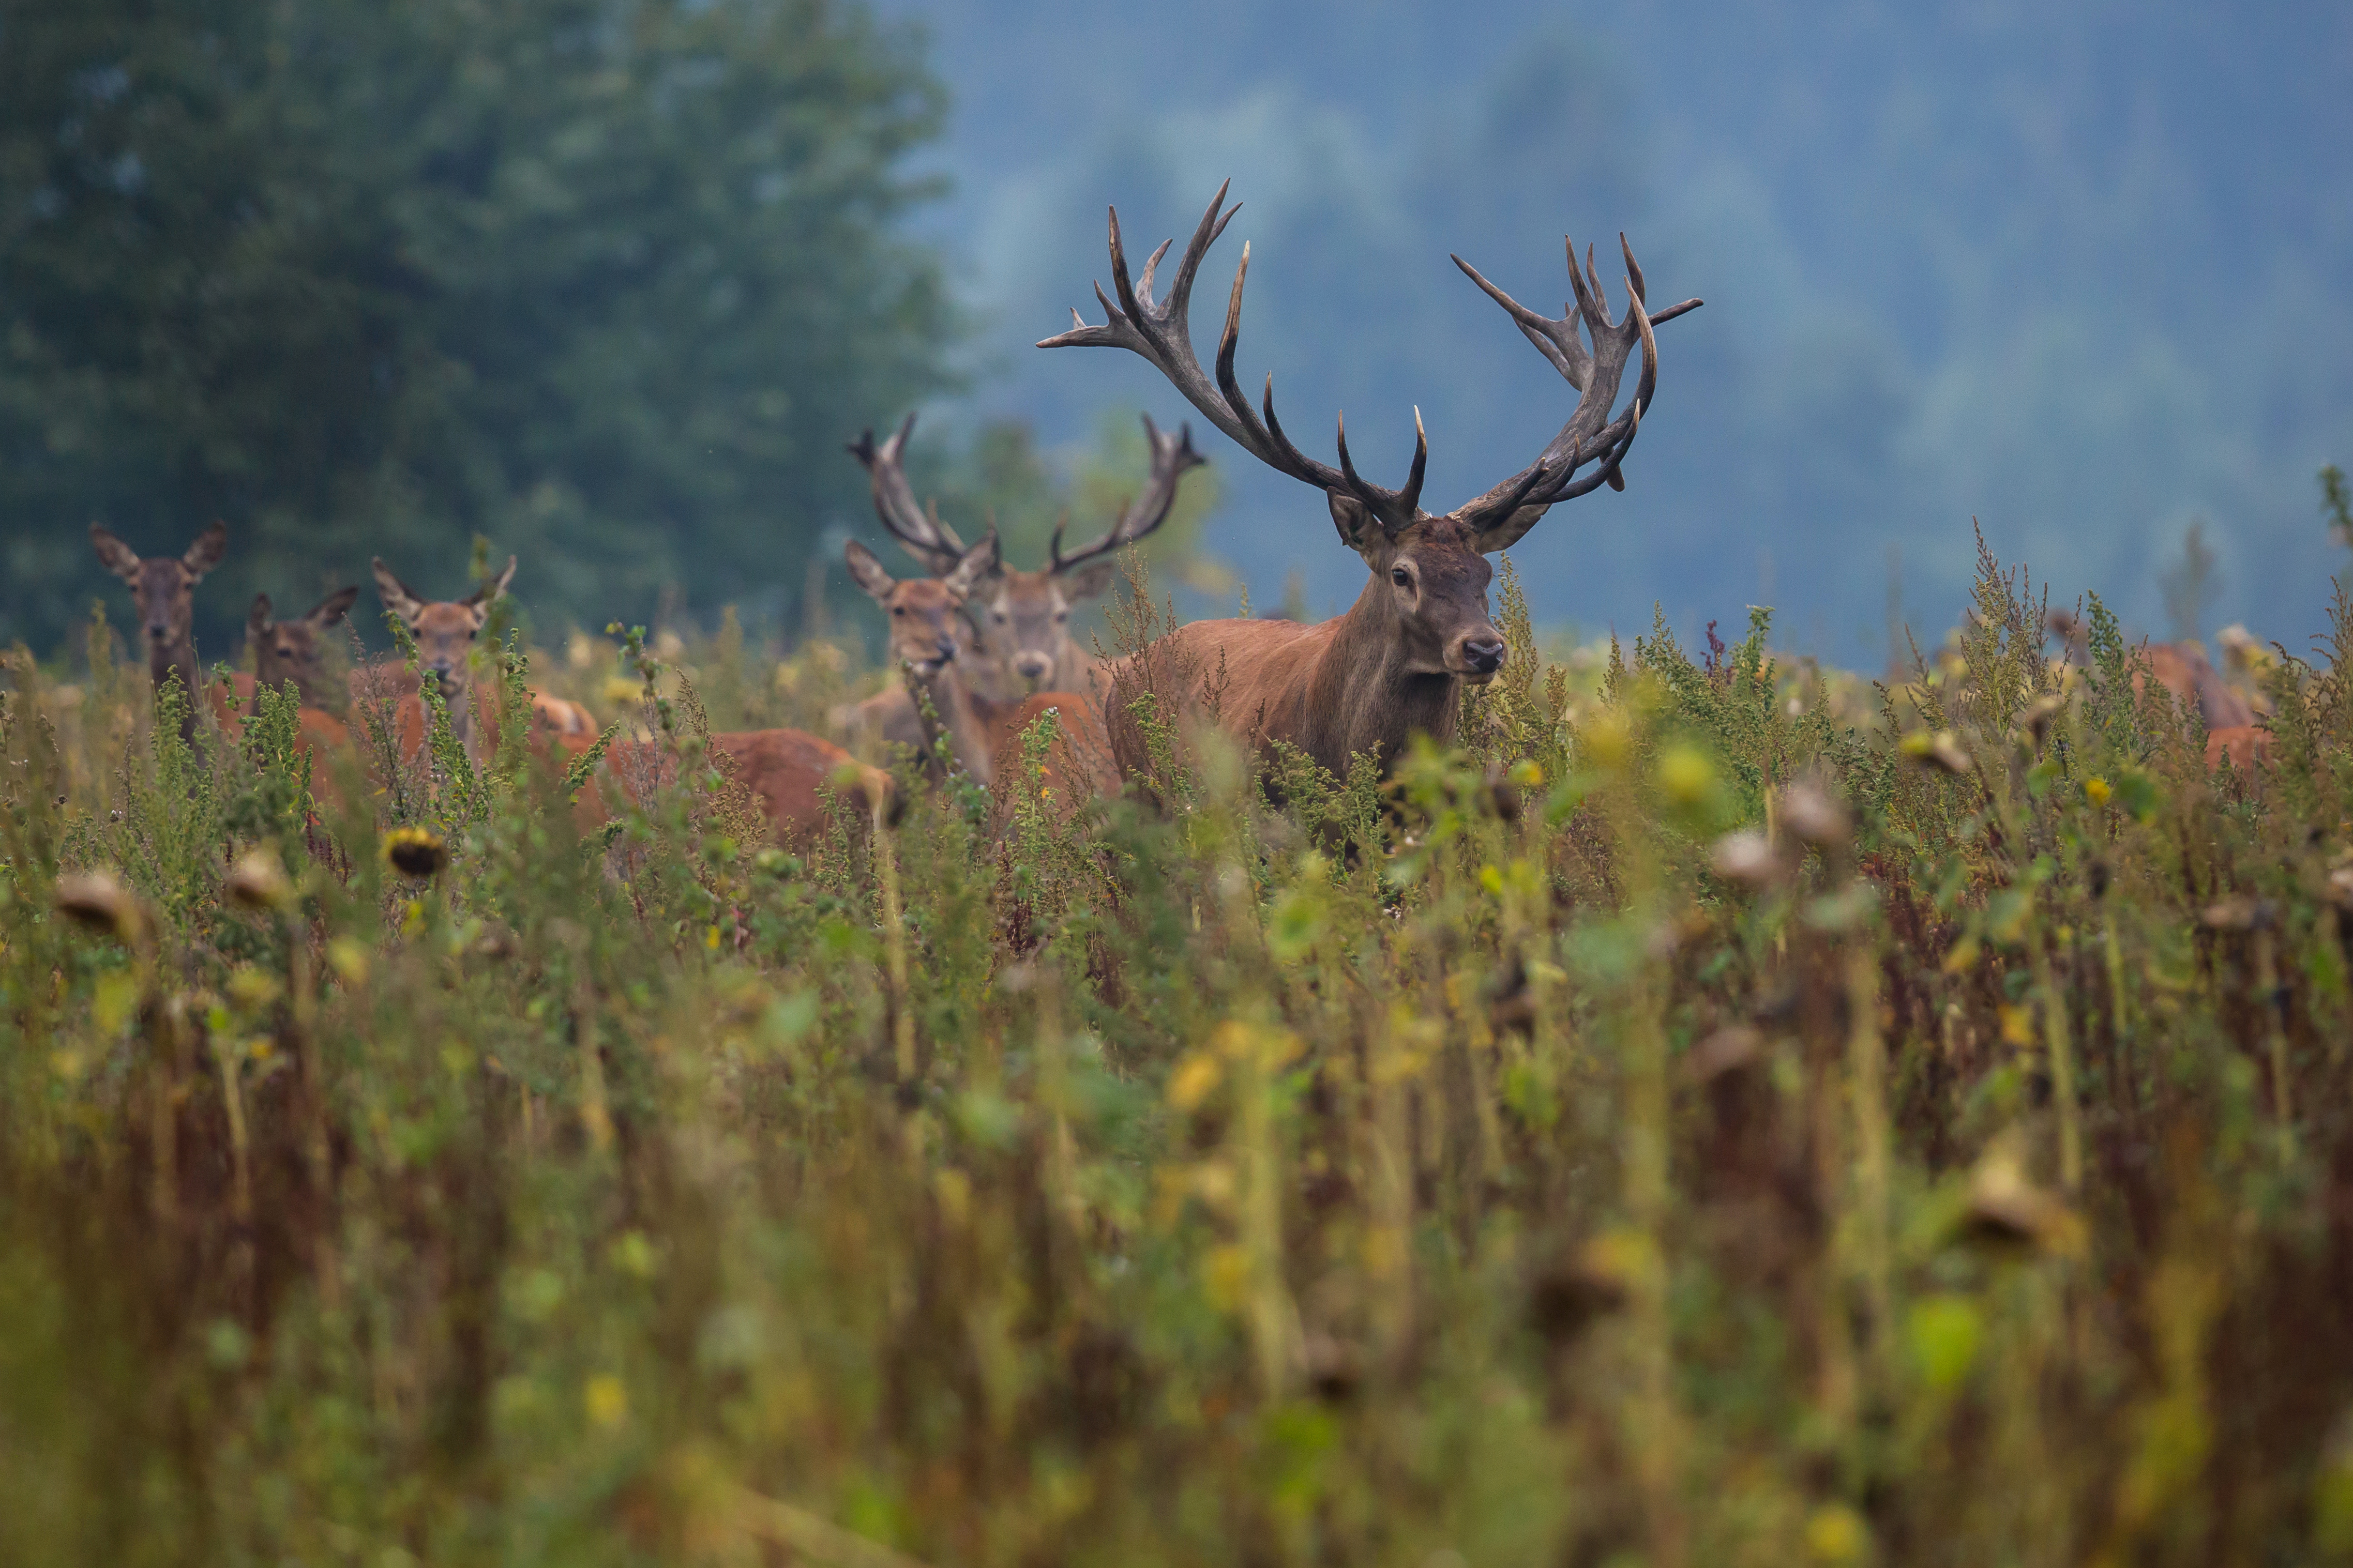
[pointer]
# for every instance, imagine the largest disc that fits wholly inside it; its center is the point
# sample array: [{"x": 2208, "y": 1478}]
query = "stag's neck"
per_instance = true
[{"x": 1364, "y": 696}]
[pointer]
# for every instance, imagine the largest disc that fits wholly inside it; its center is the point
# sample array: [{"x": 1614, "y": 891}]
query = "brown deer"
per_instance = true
[
  {"x": 1394, "y": 665},
  {"x": 445, "y": 631},
  {"x": 2233, "y": 729},
  {"x": 787, "y": 772},
  {"x": 292, "y": 653},
  {"x": 163, "y": 588},
  {"x": 1025, "y": 616},
  {"x": 923, "y": 612}
]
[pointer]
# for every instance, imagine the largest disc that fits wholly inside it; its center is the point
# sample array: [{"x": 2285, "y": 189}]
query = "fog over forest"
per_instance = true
[{"x": 2080, "y": 271}]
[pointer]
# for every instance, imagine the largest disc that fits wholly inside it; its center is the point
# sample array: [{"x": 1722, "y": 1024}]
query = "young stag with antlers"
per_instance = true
[
  {"x": 1396, "y": 663},
  {"x": 163, "y": 587},
  {"x": 1022, "y": 640},
  {"x": 924, "y": 639}
]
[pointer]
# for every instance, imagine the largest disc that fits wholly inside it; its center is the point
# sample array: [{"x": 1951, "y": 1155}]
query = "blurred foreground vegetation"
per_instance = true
[{"x": 1698, "y": 1119}]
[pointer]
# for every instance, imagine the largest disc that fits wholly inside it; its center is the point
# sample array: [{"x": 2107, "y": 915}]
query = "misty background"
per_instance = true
[{"x": 612, "y": 283}]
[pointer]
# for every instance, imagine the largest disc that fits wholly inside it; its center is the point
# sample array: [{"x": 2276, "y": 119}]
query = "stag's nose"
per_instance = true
[
  {"x": 1484, "y": 655},
  {"x": 1032, "y": 666}
]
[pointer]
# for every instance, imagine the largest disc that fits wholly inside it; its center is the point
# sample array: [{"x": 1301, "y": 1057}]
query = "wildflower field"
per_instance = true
[{"x": 1702, "y": 1118}]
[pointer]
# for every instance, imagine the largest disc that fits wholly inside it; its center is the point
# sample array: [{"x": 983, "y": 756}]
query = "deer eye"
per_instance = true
[
  {"x": 1000, "y": 617},
  {"x": 898, "y": 609},
  {"x": 1400, "y": 576}
]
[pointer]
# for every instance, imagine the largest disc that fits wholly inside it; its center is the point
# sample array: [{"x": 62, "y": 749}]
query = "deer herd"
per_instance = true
[{"x": 986, "y": 649}]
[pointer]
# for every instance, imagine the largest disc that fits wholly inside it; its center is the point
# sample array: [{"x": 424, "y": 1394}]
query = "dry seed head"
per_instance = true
[
  {"x": 2240, "y": 913},
  {"x": 1747, "y": 857},
  {"x": 100, "y": 900},
  {"x": 1815, "y": 816},
  {"x": 259, "y": 882},
  {"x": 414, "y": 852},
  {"x": 2005, "y": 1209},
  {"x": 1941, "y": 750},
  {"x": 2037, "y": 719}
]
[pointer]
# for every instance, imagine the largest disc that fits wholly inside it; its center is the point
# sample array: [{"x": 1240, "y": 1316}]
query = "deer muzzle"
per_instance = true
[{"x": 1480, "y": 657}]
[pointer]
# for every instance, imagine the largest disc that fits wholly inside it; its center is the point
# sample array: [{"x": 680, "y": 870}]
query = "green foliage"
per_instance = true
[
  {"x": 1670, "y": 1123},
  {"x": 608, "y": 283}
]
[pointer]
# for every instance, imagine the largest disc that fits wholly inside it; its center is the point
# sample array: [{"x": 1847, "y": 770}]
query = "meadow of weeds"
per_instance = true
[{"x": 1680, "y": 1123}]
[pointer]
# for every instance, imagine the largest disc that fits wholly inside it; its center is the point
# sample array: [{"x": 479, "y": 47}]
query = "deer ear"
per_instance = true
[
  {"x": 257, "y": 619},
  {"x": 116, "y": 556},
  {"x": 1089, "y": 580},
  {"x": 867, "y": 572},
  {"x": 480, "y": 599},
  {"x": 332, "y": 608},
  {"x": 1359, "y": 530},
  {"x": 1511, "y": 530},
  {"x": 207, "y": 551},
  {"x": 395, "y": 594}
]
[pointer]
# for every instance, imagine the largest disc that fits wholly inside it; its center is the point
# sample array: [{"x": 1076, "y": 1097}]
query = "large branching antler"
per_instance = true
[
  {"x": 1590, "y": 435},
  {"x": 1171, "y": 456},
  {"x": 926, "y": 538},
  {"x": 1161, "y": 333}
]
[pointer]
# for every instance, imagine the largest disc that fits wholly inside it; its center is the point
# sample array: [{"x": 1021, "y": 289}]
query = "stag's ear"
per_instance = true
[
  {"x": 1360, "y": 531},
  {"x": 331, "y": 608},
  {"x": 867, "y": 572},
  {"x": 978, "y": 563},
  {"x": 207, "y": 551},
  {"x": 116, "y": 556},
  {"x": 257, "y": 619},
  {"x": 1089, "y": 580},
  {"x": 395, "y": 594},
  {"x": 1508, "y": 532}
]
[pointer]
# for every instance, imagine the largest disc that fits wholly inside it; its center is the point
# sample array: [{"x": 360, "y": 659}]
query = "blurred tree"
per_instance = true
[{"x": 608, "y": 280}]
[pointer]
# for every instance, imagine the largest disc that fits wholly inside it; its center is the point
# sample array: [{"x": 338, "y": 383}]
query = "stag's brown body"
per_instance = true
[
  {"x": 1396, "y": 664},
  {"x": 787, "y": 772}
]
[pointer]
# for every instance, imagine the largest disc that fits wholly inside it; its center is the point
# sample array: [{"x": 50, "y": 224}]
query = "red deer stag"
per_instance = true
[
  {"x": 1396, "y": 663},
  {"x": 1025, "y": 616},
  {"x": 163, "y": 588},
  {"x": 924, "y": 613}
]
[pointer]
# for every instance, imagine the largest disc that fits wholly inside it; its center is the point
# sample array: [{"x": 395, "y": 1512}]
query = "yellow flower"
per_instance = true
[
  {"x": 606, "y": 1401},
  {"x": 414, "y": 851},
  {"x": 2096, "y": 791}
]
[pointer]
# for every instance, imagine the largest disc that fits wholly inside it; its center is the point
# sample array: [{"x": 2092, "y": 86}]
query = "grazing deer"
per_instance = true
[
  {"x": 445, "y": 631},
  {"x": 1396, "y": 664},
  {"x": 786, "y": 772},
  {"x": 163, "y": 588},
  {"x": 2232, "y": 729},
  {"x": 924, "y": 613}
]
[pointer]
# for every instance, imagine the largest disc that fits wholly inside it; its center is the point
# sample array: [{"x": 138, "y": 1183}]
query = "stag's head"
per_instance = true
[
  {"x": 1023, "y": 617},
  {"x": 445, "y": 630},
  {"x": 163, "y": 586},
  {"x": 293, "y": 650},
  {"x": 1429, "y": 571},
  {"x": 923, "y": 611}
]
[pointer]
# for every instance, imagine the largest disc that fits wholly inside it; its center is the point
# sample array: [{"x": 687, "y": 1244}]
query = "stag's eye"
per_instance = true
[
  {"x": 999, "y": 617},
  {"x": 898, "y": 609},
  {"x": 1400, "y": 576}
]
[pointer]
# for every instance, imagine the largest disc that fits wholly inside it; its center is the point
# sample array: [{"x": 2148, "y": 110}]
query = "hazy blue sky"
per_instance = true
[{"x": 2083, "y": 271}]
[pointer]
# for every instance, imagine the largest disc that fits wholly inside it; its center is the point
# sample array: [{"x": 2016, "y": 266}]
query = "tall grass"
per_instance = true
[{"x": 1675, "y": 1125}]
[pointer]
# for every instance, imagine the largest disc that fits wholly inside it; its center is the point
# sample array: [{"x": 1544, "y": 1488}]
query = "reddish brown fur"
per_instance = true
[
  {"x": 1078, "y": 767},
  {"x": 787, "y": 772}
]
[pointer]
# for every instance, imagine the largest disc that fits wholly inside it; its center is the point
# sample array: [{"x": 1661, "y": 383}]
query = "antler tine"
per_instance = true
[
  {"x": 1162, "y": 333},
  {"x": 1171, "y": 456},
  {"x": 1590, "y": 435},
  {"x": 1394, "y": 509},
  {"x": 924, "y": 535},
  {"x": 1151, "y": 265}
]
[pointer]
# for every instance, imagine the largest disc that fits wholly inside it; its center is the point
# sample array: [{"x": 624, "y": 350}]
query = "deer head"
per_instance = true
[
  {"x": 1024, "y": 617},
  {"x": 1428, "y": 588},
  {"x": 444, "y": 629},
  {"x": 291, "y": 650},
  {"x": 163, "y": 588},
  {"x": 923, "y": 610}
]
